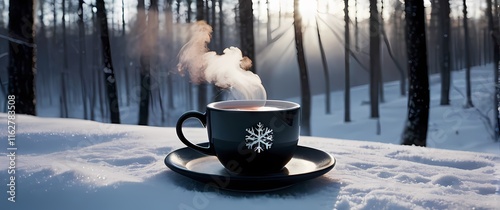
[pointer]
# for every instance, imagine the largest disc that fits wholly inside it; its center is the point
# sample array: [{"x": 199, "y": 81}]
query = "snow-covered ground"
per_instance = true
[{"x": 78, "y": 164}]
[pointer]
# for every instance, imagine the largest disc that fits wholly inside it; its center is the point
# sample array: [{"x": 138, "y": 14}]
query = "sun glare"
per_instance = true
[{"x": 308, "y": 9}]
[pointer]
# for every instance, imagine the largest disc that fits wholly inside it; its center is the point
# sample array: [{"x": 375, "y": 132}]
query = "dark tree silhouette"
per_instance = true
[
  {"x": 22, "y": 56},
  {"x": 145, "y": 77},
  {"x": 381, "y": 96},
  {"x": 169, "y": 44},
  {"x": 468, "y": 100},
  {"x": 325, "y": 70},
  {"x": 494, "y": 31},
  {"x": 444, "y": 11},
  {"x": 81, "y": 41},
  {"x": 42, "y": 55},
  {"x": 64, "y": 95},
  {"x": 433, "y": 43},
  {"x": 95, "y": 49},
  {"x": 415, "y": 130},
  {"x": 356, "y": 31},
  {"x": 268, "y": 25},
  {"x": 347, "y": 82},
  {"x": 304, "y": 78},
  {"x": 399, "y": 43},
  {"x": 221, "y": 26},
  {"x": 109, "y": 75},
  {"x": 215, "y": 45},
  {"x": 246, "y": 30},
  {"x": 199, "y": 10},
  {"x": 202, "y": 87},
  {"x": 374, "y": 59},
  {"x": 125, "y": 58},
  {"x": 145, "y": 57}
]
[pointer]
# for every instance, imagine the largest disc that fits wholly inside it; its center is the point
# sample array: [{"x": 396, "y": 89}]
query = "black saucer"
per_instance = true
[{"x": 307, "y": 163}]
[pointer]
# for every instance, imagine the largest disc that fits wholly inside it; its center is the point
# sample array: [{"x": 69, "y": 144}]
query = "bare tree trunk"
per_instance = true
[
  {"x": 356, "y": 31},
  {"x": 268, "y": 26},
  {"x": 169, "y": 30},
  {"x": 216, "y": 46},
  {"x": 81, "y": 30},
  {"x": 200, "y": 15},
  {"x": 64, "y": 72},
  {"x": 304, "y": 78},
  {"x": 433, "y": 43},
  {"x": 221, "y": 26},
  {"x": 494, "y": 31},
  {"x": 380, "y": 76},
  {"x": 206, "y": 12},
  {"x": 400, "y": 34},
  {"x": 214, "y": 26},
  {"x": 202, "y": 87},
  {"x": 108, "y": 70},
  {"x": 54, "y": 43},
  {"x": 145, "y": 79},
  {"x": 486, "y": 43},
  {"x": 22, "y": 57},
  {"x": 153, "y": 29},
  {"x": 456, "y": 55},
  {"x": 246, "y": 31},
  {"x": 347, "y": 74},
  {"x": 44, "y": 89},
  {"x": 468, "y": 102},
  {"x": 219, "y": 46},
  {"x": 476, "y": 45},
  {"x": 496, "y": 64},
  {"x": 415, "y": 130},
  {"x": 444, "y": 11},
  {"x": 374, "y": 59},
  {"x": 325, "y": 71},
  {"x": 125, "y": 59},
  {"x": 93, "y": 97}
]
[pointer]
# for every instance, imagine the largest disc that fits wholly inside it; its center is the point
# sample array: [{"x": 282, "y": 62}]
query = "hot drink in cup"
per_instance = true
[{"x": 248, "y": 136}]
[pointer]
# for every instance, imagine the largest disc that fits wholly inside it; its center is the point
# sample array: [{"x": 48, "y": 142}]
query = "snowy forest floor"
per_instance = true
[{"x": 450, "y": 127}]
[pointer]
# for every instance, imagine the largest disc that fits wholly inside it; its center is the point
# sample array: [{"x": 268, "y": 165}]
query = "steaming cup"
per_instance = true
[{"x": 248, "y": 136}]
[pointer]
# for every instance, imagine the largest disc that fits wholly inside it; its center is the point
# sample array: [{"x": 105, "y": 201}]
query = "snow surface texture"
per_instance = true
[{"x": 76, "y": 164}]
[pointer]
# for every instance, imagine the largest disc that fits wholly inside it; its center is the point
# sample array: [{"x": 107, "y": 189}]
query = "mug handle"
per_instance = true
[{"x": 202, "y": 118}]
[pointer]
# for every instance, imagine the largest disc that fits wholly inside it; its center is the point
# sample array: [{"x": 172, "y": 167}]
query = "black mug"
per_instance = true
[{"x": 248, "y": 136}]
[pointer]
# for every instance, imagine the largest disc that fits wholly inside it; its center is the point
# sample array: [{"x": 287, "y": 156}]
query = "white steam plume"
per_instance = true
[{"x": 228, "y": 71}]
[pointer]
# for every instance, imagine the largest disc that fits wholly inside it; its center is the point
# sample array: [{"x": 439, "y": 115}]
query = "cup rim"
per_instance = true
[{"x": 226, "y": 105}]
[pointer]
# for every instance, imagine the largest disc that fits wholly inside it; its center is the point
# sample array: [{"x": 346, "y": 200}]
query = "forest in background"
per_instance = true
[{"x": 69, "y": 53}]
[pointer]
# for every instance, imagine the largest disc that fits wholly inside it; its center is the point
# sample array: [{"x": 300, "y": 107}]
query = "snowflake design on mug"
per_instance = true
[{"x": 259, "y": 138}]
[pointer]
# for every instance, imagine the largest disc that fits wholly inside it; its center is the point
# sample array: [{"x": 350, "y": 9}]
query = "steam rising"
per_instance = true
[{"x": 228, "y": 71}]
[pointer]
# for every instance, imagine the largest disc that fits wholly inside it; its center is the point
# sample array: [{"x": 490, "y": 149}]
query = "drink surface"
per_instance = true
[
  {"x": 254, "y": 105},
  {"x": 254, "y": 108}
]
